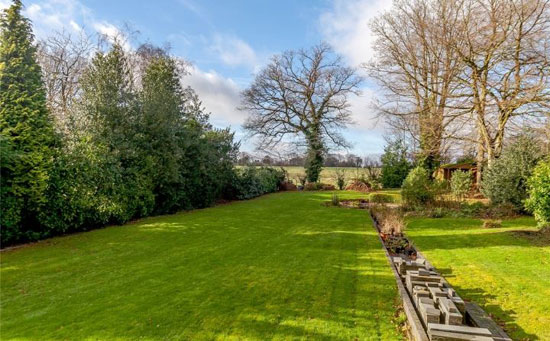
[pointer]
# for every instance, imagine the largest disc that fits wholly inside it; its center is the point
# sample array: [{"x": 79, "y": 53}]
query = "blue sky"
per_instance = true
[{"x": 228, "y": 41}]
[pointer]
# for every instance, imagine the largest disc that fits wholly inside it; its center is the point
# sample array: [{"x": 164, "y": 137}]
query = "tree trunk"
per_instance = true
[
  {"x": 315, "y": 156},
  {"x": 479, "y": 162}
]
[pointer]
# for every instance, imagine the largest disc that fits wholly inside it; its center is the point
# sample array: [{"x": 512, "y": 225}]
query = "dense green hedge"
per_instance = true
[
  {"x": 251, "y": 182},
  {"x": 138, "y": 143}
]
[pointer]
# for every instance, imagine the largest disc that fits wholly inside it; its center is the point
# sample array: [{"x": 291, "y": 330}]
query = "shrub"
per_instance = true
[
  {"x": 505, "y": 210},
  {"x": 417, "y": 187},
  {"x": 395, "y": 164},
  {"x": 538, "y": 187},
  {"x": 492, "y": 224},
  {"x": 335, "y": 200},
  {"x": 380, "y": 198},
  {"x": 461, "y": 182},
  {"x": 251, "y": 182},
  {"x": 438, "y": 212},
  {"x": 317, "y": 186},
  {"x": 359, "y": 185},
  {"x": 505, "y": 181},
  {"x": 471, "y": 210},
  {"x": 301, "y": 179},
  {"x": 340, "y": 178},
  {"x": 288, "y": 186},
  {"x": 389, "y": 219},
  {"x": 373, "y": 182}
]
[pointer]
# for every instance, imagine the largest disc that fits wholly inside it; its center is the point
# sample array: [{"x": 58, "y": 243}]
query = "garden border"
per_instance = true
[
  {"x": 474, "y": 313},
  {"x": 416, "y": 331}
]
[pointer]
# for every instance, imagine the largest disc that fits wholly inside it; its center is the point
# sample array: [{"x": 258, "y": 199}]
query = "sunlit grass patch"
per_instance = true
[
  {"x": 506, "y": 270},
  {"x": 282, "y": 266}
]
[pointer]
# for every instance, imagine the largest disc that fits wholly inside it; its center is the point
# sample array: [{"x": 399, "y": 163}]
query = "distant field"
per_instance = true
[{"x": 328, "y": 175}]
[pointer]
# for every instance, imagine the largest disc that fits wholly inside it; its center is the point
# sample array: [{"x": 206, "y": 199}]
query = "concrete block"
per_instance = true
[
  {"x": 426, "y": 300},
  {"x": 415, "y": 276},
  {"x": 459, "y": 303},
  {"x": 459, "y": 329},
  {"x": 436, "y": 292},
  {"x": 418, "y": 292},
  {"x": 429, "y": 313},
  {"x": 411, "y": 284},
  {"x": 405, "y": 266},
  {"x": 433, "y": 284},
  {"x": 449, "y": 312},
  {"x": 437, "y": 335}
]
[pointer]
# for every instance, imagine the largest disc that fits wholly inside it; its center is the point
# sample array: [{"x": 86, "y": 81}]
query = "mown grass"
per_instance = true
[
  {"x": 278, "y": 267},
  {"x": 505, "y": 270}
]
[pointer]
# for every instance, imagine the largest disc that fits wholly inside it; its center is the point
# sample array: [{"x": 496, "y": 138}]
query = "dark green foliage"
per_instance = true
[
  {"x": 381, "y": 198},
  {"x": 27, "y": 134},
  {"x": 134, "y": 151},
  {"x": 111, "y": 105},
  {"x": 505, "y": 181},
  {"x": 461, "y": 184},
  {"x": 251, "y": 182},
  {"x": 539, "y": 193},
  {"x": 417, "y": 187},
  {"x": 395, "y": 165},
  {"x": 314, "y": 163},
  {"x": 144, "y": 151}
]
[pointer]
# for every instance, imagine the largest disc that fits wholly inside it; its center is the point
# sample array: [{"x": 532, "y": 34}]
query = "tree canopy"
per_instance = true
[{"x": 303, "y": 94}]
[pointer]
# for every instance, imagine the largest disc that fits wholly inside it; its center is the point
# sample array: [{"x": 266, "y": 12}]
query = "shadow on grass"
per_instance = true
[
  {"x": 505, "y": 318},
  {"x": 476, "y": 240}
]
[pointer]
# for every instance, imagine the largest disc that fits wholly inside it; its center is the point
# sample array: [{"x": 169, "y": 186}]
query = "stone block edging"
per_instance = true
[{"x": 473, "y": 313}]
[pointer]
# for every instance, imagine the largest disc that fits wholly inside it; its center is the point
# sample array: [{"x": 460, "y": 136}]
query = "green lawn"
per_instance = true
[
  {"x": 506, "y": 272},
  {"x": 279, "y": 267}
]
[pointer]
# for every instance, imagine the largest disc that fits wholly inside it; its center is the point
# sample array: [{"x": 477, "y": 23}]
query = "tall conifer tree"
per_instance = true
[{"x": 27, "y": 133}]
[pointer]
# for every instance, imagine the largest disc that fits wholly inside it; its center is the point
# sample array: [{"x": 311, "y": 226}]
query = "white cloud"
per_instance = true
[
  {"x": 4, "y": 4},
  {"x": 75, "y": 26},
  {"x": 112, "y": 33},
  {"x": 48, "y": 16},
  {"x": 219, "y": 95},
  {"x": 345, "y": 27},
  {"x": 362, "y": 111},
  {"x": 56, "y": 15},
  {"x": 233, "y": 51}
]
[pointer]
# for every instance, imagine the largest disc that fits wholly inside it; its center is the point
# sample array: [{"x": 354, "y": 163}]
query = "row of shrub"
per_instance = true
[
  {"x": 132, "y": 142},
  {"x": 250, "y": 182}
]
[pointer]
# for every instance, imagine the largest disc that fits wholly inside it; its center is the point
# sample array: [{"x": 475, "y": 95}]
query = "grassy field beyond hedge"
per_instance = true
[
  {"x": 505, "y": 270},
  {"x": 278, "y": 267},
  {"x": 328, "y": 174}
]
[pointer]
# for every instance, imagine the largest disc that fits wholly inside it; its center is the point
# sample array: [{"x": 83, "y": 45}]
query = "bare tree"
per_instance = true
[
  {"x": 504, "y": 46},
  {"x": 372, "y": 166},
  {"x": 304, "y": 94},
  {"x": 63, "y": 58},
  {"x": 418, "y": 73}
]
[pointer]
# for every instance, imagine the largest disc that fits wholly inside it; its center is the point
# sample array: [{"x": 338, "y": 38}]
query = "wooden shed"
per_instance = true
[{"x": 445, "y": 172}]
